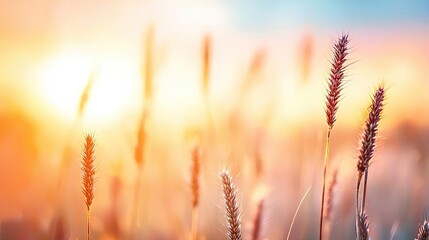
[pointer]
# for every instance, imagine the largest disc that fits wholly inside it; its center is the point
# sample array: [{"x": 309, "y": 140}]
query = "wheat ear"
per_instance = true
[
  {"x": 232, "y": 209},
  {"x": 423, "y": 231},
  {"x": 195, "y": 189},
  {"x": 88, "y": 176},
  {"x": 335, "y": 85},
  {"x": 363, "y": 227},
  {"x": 369, "y": 137},
  {"x": 367, "y": 146}
]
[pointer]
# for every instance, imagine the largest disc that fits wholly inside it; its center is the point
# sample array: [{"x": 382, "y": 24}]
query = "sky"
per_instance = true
[
  {"x": 36, "y": 37},
  {"x": 328, "y": 14}
]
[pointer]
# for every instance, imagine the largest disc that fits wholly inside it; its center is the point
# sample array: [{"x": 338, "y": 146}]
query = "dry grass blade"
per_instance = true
[
  {"x": 232, "y": 210},
  {"x": 423, "y": 231},
  {"x": 88, "y": 177},
  {"x": 296, "y": 212}
]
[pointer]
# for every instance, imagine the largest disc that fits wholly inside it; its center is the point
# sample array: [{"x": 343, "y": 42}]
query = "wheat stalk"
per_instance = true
[
  {"x": 83, "y": 102},
  {"x": 206, "y": 55},
  {"x": 88, "y": 176},
  {"x": 423, "y": 231},
  {"x": 330, "y": 202},
  {"x": 335, "y": 85},
  {"x": 148, "y": 65},
  {"x": 195, "y": 189},
  {"x": 232, "y": 210},
  {"x": 139, "y": 157},
  {"x": 257, "y": 222},
  {"x": 367, "y": 146}
]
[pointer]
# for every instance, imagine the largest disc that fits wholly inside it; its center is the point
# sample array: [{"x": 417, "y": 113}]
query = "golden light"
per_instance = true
[{"x": 65, "y": 76}]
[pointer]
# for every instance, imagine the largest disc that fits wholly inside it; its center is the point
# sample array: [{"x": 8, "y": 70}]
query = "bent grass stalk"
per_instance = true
[
  {"x": 335, "y": 85},
  {"x": 296, "y": 212}
]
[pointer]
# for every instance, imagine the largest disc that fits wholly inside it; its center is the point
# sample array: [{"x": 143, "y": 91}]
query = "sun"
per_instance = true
[
  {"x": 62, "y": 79},
  {"x": 65, "y": 75}
]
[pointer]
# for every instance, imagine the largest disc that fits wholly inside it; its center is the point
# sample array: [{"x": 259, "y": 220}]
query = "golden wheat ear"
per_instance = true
[
  {"x": 233, "y": 214},
  {"x": 195, "y": 189},
  {"x": 88, "y": 176}
]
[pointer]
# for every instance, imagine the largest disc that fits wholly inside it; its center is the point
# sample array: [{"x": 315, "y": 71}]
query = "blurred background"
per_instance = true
[{"x": 243, "y": 80}]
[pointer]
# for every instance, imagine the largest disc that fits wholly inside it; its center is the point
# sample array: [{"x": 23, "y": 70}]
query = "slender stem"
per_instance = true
[
  {"x": 88, "y": 216},
  {"x": 194, "y": 223},
  {"x": 357, "y": 205},
  {"x": 136, "y": 199},
  {"x": 296, "y": 212},
  {"x": 325, "y": 166},
  {"x": 364, "y": 191}
]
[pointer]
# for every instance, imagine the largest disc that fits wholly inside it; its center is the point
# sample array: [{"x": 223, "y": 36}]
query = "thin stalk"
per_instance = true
[
  {"x": 194, "y": 229},
  {"x": 364, "y": 191},
  {"x": 88, "y": 217},
  {"x": 136, "y": 199},
  {"x": 357, "y": 205},
  {"x": 325, "y": 166},
  {"x": 296, "y": 212}
]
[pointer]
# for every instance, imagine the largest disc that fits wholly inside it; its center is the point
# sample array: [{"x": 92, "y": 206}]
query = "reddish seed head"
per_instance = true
[
  {"x": 88, "y": 169},
  {"x": 336, "y": 77},
  {"x": 423, "y": 231},
  {"x": 363, "y": 227},
  {"x": 369, "y": 135},
  {"x": 232, "y": 210}
]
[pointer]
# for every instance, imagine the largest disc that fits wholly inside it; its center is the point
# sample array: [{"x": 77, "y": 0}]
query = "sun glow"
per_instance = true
[{"x": 66, "y": 75}]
